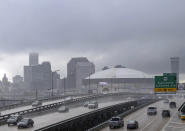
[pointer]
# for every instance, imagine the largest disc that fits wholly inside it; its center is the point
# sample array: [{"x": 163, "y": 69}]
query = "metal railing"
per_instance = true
[{"x": 77, "y": 121}]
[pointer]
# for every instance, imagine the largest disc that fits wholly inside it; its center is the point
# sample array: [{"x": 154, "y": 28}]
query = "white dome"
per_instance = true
[{"x": 119, "y": 73}]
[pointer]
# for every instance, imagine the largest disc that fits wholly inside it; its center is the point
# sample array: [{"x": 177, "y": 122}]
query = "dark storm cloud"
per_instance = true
[{"x": 141, "y": 34}]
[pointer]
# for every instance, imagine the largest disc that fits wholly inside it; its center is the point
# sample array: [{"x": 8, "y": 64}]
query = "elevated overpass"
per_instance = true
[{"x": 146, "y": 122}]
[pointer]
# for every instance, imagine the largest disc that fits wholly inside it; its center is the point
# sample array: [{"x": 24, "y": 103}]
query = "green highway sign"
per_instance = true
[
  {"x": 166, "y": 83},
  {"x": 169, "y": 74}
]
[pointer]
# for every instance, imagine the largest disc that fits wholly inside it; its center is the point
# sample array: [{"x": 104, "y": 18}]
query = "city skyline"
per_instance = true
[{"x": 63, "y": 68}]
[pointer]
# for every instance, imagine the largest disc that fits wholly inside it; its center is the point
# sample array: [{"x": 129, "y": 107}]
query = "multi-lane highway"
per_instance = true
[
  {"x": 53, "y": 117},
  {"x": 146, "y": 123},
  {"x": 30, "y": 106},
  {"x": 155, "y": 123}
]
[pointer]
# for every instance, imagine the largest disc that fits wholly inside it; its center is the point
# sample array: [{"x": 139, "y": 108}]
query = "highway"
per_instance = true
[
  {"x": 29, "y": 107},
  {"x": 155, "y": 123},
  {"x": 54, "y": 117}
]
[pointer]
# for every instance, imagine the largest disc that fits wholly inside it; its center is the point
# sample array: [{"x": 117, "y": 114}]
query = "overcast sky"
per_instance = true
[{"x": 139, "y": 34}]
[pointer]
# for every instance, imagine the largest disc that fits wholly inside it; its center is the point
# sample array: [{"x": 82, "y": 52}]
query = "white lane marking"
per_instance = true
[
  {"x": 176, "y": 127},
  {"x": 148, "y": 124},
  {"x": 177, "y": 123}
]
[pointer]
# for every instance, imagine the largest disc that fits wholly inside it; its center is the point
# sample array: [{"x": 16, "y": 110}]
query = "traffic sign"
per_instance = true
[{"x": 166, "y": 83}]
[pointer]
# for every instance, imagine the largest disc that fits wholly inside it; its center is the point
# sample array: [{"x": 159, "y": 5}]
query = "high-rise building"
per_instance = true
[
  {"x": 17, "y": 79},
  {"x": 33, "y": 59},
  {"x": 175, "y": 66},
  {"x": 78, "y": 69},
  {"x": 18, "y": 82},
  {"x": 5, "y": 81},
  {"x": 38, "y": 76},
  {"x": 56, "y": 78}
]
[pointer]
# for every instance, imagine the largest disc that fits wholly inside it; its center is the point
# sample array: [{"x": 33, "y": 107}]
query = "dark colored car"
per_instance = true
[
  {"x": 172, "y": 105},
  {"x": 14, "y": 119},
  {"x": 25, "y": 123},
  {"x": 165, "y": 113},
  {"x": 116, "y": 122},
  {"x": 93, "y": 105},
  {"x": 132, "y": 125},
  {"x": 86, "y": 104},
  {"x": 152, "y": 111},
  {"x": 166, "y": 101}
]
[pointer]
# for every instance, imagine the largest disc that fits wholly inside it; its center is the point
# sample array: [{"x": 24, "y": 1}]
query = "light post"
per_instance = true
[
  {"x": 36, "y": 94},
  {"x": 52, "y": 81},
  {"x": 64, "y": 85},
  {"x": 89, "y": 83},
  {"x": 111, "y": 85}
]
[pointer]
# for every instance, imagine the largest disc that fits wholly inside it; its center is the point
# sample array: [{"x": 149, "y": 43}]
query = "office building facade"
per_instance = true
[
  {"x": 33, "y": 59},
  {"x": 38, "y": 76},
  {"x": 78, "y": 69},
  {"x": 175, "y": 66}
]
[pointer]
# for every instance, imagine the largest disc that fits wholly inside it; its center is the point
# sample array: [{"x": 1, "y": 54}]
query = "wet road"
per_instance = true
[
  {"x": 175, "y": 123},
  {"x": 152, "y": 123},
  {"x": 48, "y": 119},
  {"x": 29, "y": 107}
]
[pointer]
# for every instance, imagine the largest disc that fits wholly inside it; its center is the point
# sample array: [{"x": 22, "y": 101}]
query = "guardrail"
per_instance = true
[
  {"x": 29, "y": 102},
  {"x": 105, "y": 124},
  {"x": 91, "y": 119},
  {"x": 3, "y": 118},
  {"x": 26, "y": 103}
]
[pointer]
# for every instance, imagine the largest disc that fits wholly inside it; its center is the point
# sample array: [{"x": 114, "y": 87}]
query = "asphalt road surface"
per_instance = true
[
  {"x": 48, "y": 119},
  {"x": 155, "y": 123},
  {"x": 29, "y": 107}
]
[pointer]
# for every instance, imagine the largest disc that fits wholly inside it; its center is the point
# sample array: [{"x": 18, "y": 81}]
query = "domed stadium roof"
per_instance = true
[{"x": 119, "y": 73}]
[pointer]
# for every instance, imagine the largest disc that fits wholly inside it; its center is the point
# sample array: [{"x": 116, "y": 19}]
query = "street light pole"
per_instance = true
[
  {"x": 89, "y": 83},
  {"x": 36, "y": 94},
  {"x": 52, "y": 84},
  {"x": 64, "y": 85}
]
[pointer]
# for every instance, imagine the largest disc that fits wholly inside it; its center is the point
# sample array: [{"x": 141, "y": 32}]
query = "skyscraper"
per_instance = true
[
  {"x": 175, "y": 66},
  {"x": 77, "y": 69},
  {"x": 33, "y": 59},
  {"x": 38, "y": 76}
]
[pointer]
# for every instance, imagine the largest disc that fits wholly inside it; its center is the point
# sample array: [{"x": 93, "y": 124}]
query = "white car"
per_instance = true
[
  {"x": 63, "y": 109},
  {"x": 68, "y": 98},
  {"x": 116, "y": 122},
  {"x": 36, "y": 103}
]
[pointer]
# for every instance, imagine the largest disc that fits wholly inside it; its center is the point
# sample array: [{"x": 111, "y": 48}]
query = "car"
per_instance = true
[
  {"x": 116, "y": 122},
  {"x": 36, "y": 103},
  {"x": 143, "y": 97},
  {"x": 25, "y": 123},
  {"x": 14, "y": 119},
  {"x": 63, "y": 109},
  {"x": 93, "y": 105},
  {"x": 152, "y": 110},
  {"x": 166, "y": 101},
  {"x": 132, "y": 124},
  {"x": 172, "y": 104},
  {"x": 86, "y": 104},
  {"x": 165, "y": 113},
  {"x": 68, "y": 98}
]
